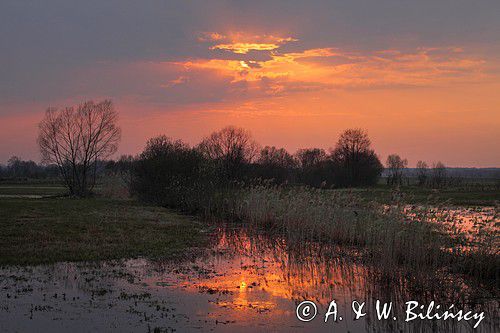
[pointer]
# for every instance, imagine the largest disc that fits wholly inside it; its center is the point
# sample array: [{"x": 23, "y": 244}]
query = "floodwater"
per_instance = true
[
  {"x": 245, "y": 282},
  {"x": 465, "y": 218}
]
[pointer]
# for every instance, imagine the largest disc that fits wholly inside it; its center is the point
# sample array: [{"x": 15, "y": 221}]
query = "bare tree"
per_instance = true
[
  {"x": 438, "y": 174},
  {"x": 76, "y": 138},
  {"x": 356, "y": 162},
  {"x": 231, "y": 146},
  {"x": 353, "y": 142},
  {"x": 13, "y": 165},
  {"x": 275, "y": 164},
  {"x": 422, "y": 172},
  {"x": 396, "y": 166},
  {"x": 310, "y": 157},
  {"x": 277, "y": 157}
]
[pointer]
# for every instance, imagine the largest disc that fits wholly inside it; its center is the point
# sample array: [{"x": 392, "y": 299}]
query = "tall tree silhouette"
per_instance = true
[
  {"x": 231, "y": 148},
  {"x": 355, "y": 163},
  {"x": 76, "y": 138}
]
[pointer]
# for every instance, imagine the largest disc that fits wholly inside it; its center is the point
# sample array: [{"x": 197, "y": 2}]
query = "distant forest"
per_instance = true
[
  {"x": 19, "y": 169},
  {"x": 483, "y": 173}
]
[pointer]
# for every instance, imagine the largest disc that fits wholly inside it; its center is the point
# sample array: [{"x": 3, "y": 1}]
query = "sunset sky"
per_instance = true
[{"x": 422, "y": 77}]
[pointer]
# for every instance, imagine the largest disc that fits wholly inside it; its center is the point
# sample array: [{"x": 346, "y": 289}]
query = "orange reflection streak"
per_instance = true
[
  {"x": 247, "y": 275},
  {"x": 258, "y": 282}
]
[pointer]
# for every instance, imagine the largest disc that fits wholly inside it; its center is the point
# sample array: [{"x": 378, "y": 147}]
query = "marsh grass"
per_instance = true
[
  {"x": 387, "y": 236},
  {"x": 322, "y": 268},
  {"x": 48, "y": 230}
]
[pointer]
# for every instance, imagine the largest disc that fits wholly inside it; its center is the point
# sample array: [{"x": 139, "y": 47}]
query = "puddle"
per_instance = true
[
  {"x": 466, "y": 218},
  {"x": 244, "y": 283}
]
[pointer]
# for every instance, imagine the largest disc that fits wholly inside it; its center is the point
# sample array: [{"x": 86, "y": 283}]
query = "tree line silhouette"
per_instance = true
[
  {"x": 76, "y": 141},
  {"x": 170, "y": 172}
]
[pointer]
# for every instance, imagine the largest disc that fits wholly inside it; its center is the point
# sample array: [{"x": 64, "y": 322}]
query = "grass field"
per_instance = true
[
  {"x": 484, "y": 193},
  {"x": 47, "y": 230},
  {"x": 32, "y": 189}
]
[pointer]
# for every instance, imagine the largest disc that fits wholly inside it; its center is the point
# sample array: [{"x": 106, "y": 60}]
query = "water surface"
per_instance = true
[{"x": 246, "y": 282}]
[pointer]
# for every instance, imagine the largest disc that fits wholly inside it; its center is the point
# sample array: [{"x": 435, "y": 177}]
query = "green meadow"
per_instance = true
[{"x": 52, "y": 229}]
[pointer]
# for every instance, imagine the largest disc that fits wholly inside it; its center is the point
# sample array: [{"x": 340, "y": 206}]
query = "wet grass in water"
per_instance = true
[{"x": 388, "y": 236}]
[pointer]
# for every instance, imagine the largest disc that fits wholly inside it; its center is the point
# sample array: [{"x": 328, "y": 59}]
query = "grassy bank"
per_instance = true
[{"x": 34, "y": 231}]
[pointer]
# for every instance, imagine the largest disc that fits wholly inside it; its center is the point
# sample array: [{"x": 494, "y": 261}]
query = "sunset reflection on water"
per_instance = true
[
  {"x": 246, "y": 281},
  {"x": 251, "y": 276}
]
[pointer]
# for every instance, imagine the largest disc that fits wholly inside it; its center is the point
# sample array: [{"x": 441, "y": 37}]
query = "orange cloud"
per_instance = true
[
  {"x": 326, "y": 68},
  {"x": 175, "y": 82},
  {"x": 307, "y": 96},
  {"x": 242, "y": 43},
  {"x": 243, "y": 48},
  {"x": 333, "y": 68}
]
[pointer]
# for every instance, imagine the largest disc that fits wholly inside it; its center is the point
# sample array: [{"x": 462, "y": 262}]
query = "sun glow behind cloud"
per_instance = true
[
  {"x": 307, "y": 95},
  {"x": 327, "y": 68},
  {"x": 305, "y": 92},
  {"x": 244, "y": 48},
  {"x": 241, "y": 43}
]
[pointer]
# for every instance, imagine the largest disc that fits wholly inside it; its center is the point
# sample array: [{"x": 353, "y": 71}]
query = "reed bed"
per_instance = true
[{"x": 386, "y": 235}]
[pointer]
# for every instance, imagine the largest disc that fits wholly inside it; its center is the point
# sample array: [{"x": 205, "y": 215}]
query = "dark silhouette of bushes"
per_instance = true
[
  {"x": 231, "y": 149},
  {"x": 351, "y": 163},
  {"x": 170, "y": 173},
  {"x": 354, "y": 161},
  {"x": 18, "y": 169},
  {"x": 275, "y": 164},
  {"x": 164, "y": 171}
]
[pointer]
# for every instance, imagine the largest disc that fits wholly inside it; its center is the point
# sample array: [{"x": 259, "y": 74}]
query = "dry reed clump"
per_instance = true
[
  {"x": 480, "y": 255},
  {"x": 390, "y": 239},
  {"x": 472, "y": 237}
]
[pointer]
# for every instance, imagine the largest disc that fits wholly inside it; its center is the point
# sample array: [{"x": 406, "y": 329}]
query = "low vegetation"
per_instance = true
[
  {"x": 387, "y": 236},
  {"x": 40, "y": 189},
  {"x": 64, "y": 229}
]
